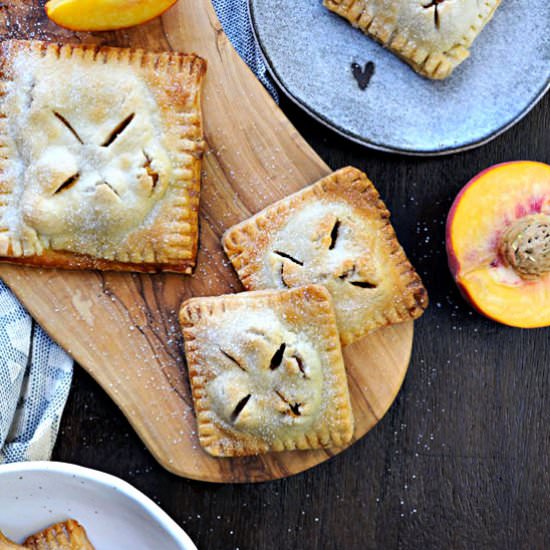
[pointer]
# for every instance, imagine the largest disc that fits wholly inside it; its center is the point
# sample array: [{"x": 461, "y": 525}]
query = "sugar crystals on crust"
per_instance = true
[{"x": 100, "y": 155}]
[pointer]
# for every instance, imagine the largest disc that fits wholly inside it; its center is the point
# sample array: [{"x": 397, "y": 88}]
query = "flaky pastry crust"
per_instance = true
[
  {"x": 337, "y": 233},
  {"x": 67, "y": 535},
  {"x": 100, "y": 157},
  {"x": 266, "y": 372},
  {"x": 432, "y": 36}
]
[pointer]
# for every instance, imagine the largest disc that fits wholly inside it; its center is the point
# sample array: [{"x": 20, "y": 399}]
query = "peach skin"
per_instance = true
[{"x": 498, "y": 243}]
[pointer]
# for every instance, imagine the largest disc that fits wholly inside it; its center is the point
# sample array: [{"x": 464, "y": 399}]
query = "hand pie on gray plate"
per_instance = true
[
  {"x": 266, "y": 371},
  {"x": 100, "y": 156},
  {"x": 433, "y": 36},
  {"x": 337, "y": 233}
]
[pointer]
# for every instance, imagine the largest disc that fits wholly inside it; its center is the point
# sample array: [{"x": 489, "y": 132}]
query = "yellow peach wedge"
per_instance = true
[
  {"x": 498, "y": 243},
  {"x": 104, "y": 15}
]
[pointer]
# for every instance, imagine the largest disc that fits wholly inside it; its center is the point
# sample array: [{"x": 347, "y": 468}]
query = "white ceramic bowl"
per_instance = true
[{"x": 116, "y": 516}]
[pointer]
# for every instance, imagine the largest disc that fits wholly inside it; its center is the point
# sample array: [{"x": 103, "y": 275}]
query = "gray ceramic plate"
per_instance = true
[{"x": 310, "y": 52}]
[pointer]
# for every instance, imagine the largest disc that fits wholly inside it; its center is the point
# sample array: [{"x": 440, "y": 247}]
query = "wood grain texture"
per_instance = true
[{"x": 122, "y": 328}]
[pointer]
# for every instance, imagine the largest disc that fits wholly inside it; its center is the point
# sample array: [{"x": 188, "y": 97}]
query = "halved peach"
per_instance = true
[
  {"x": 498, "y": 243},
  {"x": 104, "y": 15}
]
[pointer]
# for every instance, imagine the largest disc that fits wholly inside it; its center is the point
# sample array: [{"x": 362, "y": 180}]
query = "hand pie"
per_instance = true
[
  {"x": 266, "y": 372},
  {"x": 433, "y": 36},
  {"x": 336, "y": 233},
  {"x": 68, "y": 535},
  {"x": 100, "y": 154}
]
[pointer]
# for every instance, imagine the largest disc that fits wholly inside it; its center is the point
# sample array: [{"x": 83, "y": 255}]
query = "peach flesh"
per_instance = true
[
  {"x": 488, "y": 207},
  {"x": 103, "y": 15}
]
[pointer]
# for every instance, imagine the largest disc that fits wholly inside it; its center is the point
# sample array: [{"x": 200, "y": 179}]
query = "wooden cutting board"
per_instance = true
[{"x": 123, "y": 329}]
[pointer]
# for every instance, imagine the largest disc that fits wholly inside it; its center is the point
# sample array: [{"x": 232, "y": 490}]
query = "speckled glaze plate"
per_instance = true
[
  {"x": 34, "y": 495},
  {"x": 311, "y": 51}
]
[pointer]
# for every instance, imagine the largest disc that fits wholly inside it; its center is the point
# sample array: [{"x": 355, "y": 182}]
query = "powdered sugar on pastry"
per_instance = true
[{"x": 101, "y": 153}]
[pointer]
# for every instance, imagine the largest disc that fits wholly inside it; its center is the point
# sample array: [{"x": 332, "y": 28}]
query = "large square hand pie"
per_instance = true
[
  {"x": 266, "y": 372},
  {"x": 336, "y": 233},
  {"x": 433, "y": 36},
  {"x": 100, "y": 154}
]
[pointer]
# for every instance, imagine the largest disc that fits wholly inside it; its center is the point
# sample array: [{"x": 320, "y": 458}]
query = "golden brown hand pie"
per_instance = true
[
  {"x": 68, "y": 535},
  {"x": 433, "y": 36},
  {"x": 336, "y": 233},
  {"x": 266, "y": 371},
  {"x": 100, "y": 157}
]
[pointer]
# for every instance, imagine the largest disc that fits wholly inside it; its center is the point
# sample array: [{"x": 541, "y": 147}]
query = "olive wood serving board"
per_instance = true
[{"x": 123, "y": 328}]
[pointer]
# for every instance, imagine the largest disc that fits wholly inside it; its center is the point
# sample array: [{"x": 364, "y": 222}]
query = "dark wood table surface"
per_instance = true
[{"x": 461, "y": 460}]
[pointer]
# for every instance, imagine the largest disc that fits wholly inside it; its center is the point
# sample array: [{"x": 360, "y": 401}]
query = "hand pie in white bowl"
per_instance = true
[{"x": 39, "y": 497}]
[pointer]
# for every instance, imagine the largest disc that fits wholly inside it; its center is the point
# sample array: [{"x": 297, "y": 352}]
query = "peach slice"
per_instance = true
[
  {"x": 498, "y": 243},
  {"x": 104, "y": 15}
]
